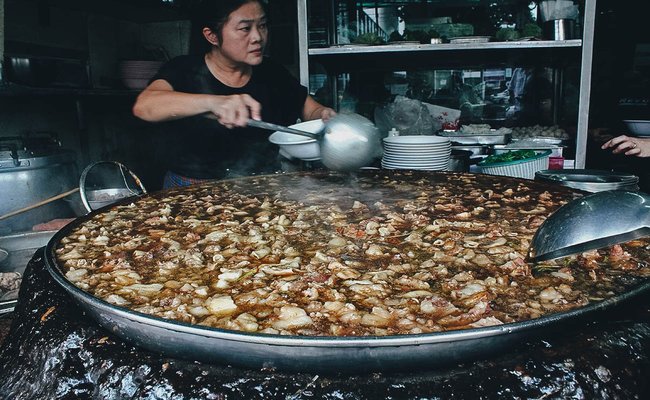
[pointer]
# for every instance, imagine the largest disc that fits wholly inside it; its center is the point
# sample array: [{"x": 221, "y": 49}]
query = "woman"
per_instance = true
[
  {"x": 211, "y": 97},
  {"x": 630, "y": 146}
]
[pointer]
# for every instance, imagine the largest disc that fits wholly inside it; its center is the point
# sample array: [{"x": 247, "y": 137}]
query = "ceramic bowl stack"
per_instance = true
[
  {"x": 135, "y": 74},
  {"x": 416, "y": 152}
]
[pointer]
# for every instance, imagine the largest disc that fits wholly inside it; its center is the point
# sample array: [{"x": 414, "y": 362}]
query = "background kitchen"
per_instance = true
[{"x": 78, "y": 91}]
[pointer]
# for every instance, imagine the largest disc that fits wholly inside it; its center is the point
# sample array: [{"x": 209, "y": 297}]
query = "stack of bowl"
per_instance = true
[{"x": 135, "y": 74}]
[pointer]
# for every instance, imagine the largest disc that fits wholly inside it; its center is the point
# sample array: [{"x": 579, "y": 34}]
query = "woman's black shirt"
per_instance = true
[{"x": 200, "y": 147}]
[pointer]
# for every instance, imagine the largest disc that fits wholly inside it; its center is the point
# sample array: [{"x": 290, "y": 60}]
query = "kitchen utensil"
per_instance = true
[
  {"x": 348, "y": 142},
  {"x": 476, "y": 150},
  {"x": 33, "y": 168},
  {"x": 598, "y": 220},
  {"x": 328, "y": 354},
  {"x": 40, "y": 203},
  {"x": 100, "y": 197},
  {"x": 560, "y": 29},
  {"x": 459, "y": 160},
  {"x": 590, "y": 180}
]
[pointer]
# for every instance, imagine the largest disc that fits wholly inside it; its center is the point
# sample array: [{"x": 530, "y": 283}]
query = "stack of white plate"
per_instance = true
[{"x": 416, "y": 152}]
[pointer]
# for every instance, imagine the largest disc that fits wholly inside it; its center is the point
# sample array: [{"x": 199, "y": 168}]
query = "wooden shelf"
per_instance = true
[{"x": 405, "y": 48}]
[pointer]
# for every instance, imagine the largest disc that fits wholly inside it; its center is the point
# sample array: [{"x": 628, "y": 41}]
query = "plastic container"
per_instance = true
[
  {"x": 555, "y": 162},
  {"x": 520, "y": 168},
  {"x": 556, "y": 151}
]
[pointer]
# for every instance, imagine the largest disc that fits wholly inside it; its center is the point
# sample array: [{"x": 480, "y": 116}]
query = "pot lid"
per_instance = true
[
  {"x": 590, "y": 180},
  {"x": 586, "y": 175}
]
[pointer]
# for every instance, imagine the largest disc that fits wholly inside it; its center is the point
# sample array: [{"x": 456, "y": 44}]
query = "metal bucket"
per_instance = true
[
  {"x": 27, "y": 178},
  {"x": 459, "y": 160},
  {"x": 103, "y": 197},
  {"x": 98, "y": 198},
  {"x": 560, "y": 29}
]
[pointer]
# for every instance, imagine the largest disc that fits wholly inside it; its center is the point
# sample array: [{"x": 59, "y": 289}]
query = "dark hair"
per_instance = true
[{"x": 214, "y": 14}]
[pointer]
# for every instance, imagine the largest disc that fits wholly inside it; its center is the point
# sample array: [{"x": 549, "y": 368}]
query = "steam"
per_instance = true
[{"x": 341, "y": 189}]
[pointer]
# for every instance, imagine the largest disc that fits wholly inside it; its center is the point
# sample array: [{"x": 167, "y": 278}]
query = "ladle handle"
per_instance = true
[{"x": 273, "y": 127}]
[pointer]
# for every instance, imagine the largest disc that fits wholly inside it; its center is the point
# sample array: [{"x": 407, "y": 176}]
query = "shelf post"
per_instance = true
[
  {"x": 303, "y": 43},
  {"x": 585, "y": 83}
]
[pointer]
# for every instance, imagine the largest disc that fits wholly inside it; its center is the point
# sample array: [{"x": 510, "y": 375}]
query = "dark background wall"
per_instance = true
[
  {"x": 620, "y": 83},
  {"x": 102, "y": 127}
]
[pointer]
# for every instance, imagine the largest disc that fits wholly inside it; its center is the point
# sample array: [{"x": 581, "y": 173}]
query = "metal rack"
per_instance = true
[{"x": 584, "y": 46}]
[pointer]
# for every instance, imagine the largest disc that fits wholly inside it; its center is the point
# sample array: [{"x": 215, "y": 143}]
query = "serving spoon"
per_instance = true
[
  {"x": 347, "y": 143},
  {"x": 591, "y": 222}
]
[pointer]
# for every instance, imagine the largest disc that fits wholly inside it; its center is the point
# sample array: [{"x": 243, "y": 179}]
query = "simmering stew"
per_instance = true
[{"x": 323, "y": 254}]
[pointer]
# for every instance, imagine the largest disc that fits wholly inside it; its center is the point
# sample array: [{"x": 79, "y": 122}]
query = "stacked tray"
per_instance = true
[{"x": 416, "y": 152}]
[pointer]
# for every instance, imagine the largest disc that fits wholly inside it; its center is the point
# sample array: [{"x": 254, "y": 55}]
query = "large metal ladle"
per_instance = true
[
  {"x": 591, "y": 222},
  {"x": 347, "y": 143}
]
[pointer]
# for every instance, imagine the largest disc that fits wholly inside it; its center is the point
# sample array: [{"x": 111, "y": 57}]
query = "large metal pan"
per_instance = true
[{"x": 317, "y": 354}]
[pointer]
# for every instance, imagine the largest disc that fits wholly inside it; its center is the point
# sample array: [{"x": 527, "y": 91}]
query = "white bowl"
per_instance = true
[
  {"x": 638, "y": 127},
  {"x": 296, "y": 146}
]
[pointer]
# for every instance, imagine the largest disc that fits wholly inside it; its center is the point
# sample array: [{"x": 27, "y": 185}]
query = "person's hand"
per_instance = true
[
  {"x": 630, "y": 146},
  {"x": 326, "y": 113},
  {"x": 235, "y": 110}
]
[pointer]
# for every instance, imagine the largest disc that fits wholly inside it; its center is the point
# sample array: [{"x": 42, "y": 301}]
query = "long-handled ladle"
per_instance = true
[
  {"x": 591, "y": 222},
  {"x": 347, "y": 143}
]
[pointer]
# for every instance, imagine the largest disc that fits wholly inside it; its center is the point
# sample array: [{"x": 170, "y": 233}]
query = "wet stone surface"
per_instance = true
[{"x": 55, "y": 351}]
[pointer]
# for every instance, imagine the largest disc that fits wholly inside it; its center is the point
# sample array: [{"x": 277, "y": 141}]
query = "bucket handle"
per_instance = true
[{"x": 122, "y": 167}]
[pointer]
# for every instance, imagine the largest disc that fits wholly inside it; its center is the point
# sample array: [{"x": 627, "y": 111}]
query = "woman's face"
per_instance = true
[{"x": 244, "y": 35}]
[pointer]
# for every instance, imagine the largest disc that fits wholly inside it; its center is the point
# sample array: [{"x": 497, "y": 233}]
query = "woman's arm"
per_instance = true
[
  {"x": 159, "y": 102},
  {"x": 629, "y": 146},
  {"x": 314, "y": 110}
]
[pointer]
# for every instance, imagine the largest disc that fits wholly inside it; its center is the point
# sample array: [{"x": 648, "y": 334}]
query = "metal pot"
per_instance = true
[
  {"x": 27, "y": 178},
  {"x": 459, "y": 160},
  {"x": 560, "y": 29},
  {"x": 298, "y": 353},
  {"x": 476, "y": 150}
]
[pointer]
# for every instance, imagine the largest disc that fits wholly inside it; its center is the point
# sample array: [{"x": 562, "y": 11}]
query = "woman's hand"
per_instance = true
[
  {"x": 235, "y": 110},
  {"x": 326, "y": 113},
  {"x": 314, "y": 110},
  {"x": 160, "y": 102},
  {"x": 630, "y": 146}
]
